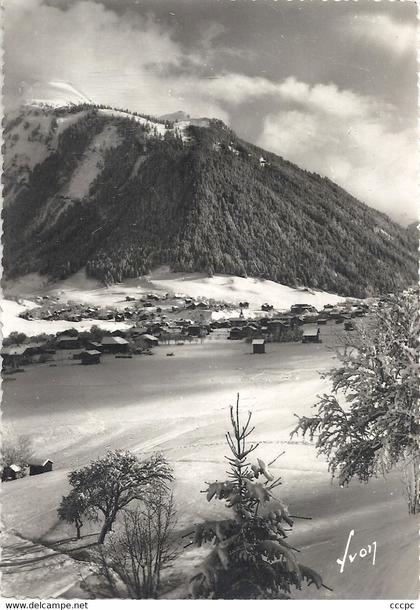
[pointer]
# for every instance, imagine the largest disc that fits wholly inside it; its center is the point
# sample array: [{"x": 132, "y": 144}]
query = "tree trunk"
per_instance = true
[
  {"x": 415, "y": 500},
  {"x": 105, "y": 529},
  {"x": 107, "y": 526}
]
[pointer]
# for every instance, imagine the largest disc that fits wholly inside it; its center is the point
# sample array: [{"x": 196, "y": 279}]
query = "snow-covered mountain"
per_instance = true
[
  {"x": 32, "y": 132},
  {"x": 119, "y": 193}
]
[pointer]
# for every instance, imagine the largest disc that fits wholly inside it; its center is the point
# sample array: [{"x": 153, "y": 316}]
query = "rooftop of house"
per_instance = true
[
  {"x": 39, "y": 461},
  {"x": 114, "y": 341},
  {"x": 17, "y": 350}
]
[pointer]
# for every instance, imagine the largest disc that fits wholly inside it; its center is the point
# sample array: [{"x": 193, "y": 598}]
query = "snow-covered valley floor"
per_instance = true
[{"x": 179, "y": 405}]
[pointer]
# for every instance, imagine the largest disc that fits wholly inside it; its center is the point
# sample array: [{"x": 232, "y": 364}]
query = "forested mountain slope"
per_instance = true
[{"x": 118, "y": 193}]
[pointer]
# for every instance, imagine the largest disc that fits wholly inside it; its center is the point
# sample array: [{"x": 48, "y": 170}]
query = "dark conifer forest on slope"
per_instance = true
[{"x": 205, "y": 202}]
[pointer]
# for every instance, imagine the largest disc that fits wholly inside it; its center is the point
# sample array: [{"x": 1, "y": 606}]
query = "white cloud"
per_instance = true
[
  {"x": 381, "y": 30},
  {"x": 132, "y": 61},
  {"x": 124, "y": 60},
  {"x": 359, "y": 149}
]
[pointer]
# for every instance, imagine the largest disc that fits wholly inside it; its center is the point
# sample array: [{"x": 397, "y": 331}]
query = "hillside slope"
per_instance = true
[{"x": 120, "y": 194}]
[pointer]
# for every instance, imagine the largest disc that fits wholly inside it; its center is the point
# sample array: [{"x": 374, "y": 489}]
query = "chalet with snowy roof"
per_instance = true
[
  {"x": 238, "y": 322},
  {"x": 119, "y": 333},
  {"x": 39, "y": 465},
  {"x": 11, "y": 472},
  {"x": 311, "y": 334},
  {"x": 64, "y": 341},
  {"x": 299, "y": 308},
  {"x": 194, "y": 330},
  {"x": 13, "y": 356},
  {"x": 137, "y": 331},
  {"x": 309, "y": 318},
  {"x": 90, "y": 356},
  {"x": 258, "y": 346},
  {"x": 236, "y": 333},
  {"x": 277, "y": 328},
  {"x": 150, "y": 340},
  {"x": 360, "y": 312},
  {"x": 114, "y": 345},
  {"x": 276, "y": 324},
  {"x": 93, "y": 345},
  {"x": 251, "y": 329},
  {"x": 34, "y": 348}
]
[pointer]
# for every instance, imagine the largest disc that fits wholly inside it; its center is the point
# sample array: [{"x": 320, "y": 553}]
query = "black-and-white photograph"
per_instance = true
[{"x": 210, "y": 321}]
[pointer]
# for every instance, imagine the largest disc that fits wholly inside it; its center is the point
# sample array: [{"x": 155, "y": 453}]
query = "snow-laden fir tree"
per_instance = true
[
  {"x": 249, "y": 558},
  {"x": 369, "y": 423}
]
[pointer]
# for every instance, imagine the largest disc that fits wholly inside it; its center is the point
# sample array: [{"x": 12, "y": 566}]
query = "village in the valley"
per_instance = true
[{"x": 169, "y": 319}]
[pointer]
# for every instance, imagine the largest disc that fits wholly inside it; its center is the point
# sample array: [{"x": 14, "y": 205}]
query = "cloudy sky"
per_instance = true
[{"x": 328, "y": 85}]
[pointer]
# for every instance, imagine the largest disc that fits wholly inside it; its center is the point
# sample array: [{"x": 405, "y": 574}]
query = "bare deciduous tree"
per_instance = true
[
  {"x": 110, "y": 483},
  {"x": 141, "y": 548},
  {"x": 15, "y": 449}
]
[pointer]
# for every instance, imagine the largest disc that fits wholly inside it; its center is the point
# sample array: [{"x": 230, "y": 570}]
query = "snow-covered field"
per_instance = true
[
  {"x": 233, "y": 289},
  {"x": 12, "y": 323},
  {"x": 179, "y": 405},
  {"x": 33, "y": 570}
]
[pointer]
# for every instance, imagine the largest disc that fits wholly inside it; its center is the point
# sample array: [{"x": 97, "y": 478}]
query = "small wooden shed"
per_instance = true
[
  {"x": 13, "y": 356},
  {"x": 10, "y": 473},
  {"x": 311, "y": 334},
  {"x": 39, "y": 466},
  {"x": 258, "y": 346},
  {"x": 91, "y": 356},
  {"x": 236, "y": 333}
]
